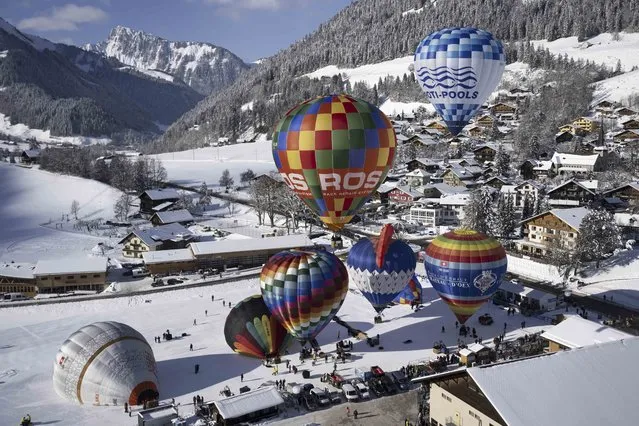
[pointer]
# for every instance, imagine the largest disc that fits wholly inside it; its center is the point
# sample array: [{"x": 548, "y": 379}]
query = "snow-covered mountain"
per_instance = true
[{"x": 203, "y": 66}]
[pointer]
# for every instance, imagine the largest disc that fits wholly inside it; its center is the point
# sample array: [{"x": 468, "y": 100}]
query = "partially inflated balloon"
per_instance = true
[
  {"x": 412, "y": 293},
  {"x": 106, "y": 363},
  {"x": 304, "y": 290},
  {"x": 381, "y": 267},
  {"x": 458, "y": 69},
  {"x": 252, "y": 330},
  {"x": 465, "y": 267},
  {"x": 333, "y": 152}
]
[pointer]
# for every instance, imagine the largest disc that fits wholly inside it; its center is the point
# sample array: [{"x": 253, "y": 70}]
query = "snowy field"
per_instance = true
[
  {"x": 617, "y": 88},
  {"x": 31, "y": 335},
  {"x": 31, "y": 198},
  {"x": 370, "y": 73},
  {"x": 191, "y": 168},
  {"x": 24, "y": 132}
]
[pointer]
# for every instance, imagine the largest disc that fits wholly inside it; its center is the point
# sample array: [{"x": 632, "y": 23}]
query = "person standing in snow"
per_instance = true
[
  {"x": 191, "y": 347},
  {"x": 194, "y": 322},
  {"x": 242, "y": 377},
  {"x": 197, "y": 368}
]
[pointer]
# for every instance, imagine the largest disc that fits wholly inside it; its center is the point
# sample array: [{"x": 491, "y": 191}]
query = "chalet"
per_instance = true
[
  {"x": 543, "y": 169},
  {"x": 628, "y": 193},
  {"x": 452, "y": 212},
  {"x": 563, "y": 137},
  {"x": 499, "y": 109},
  {"x": 404, "y": 194},
  {"x": 458, "y": 176},
  {"x": 575, "y": 130},
  {"x": 556, "y": 226},
  {"x": 383, "y": 192},
  {"x": 425, "y": 164},
  {"x": 625, "y": 136},
  {"x": 630, "y": 124},
  {"x": 30, "y": 156},
  {"x": 604, "y": 106},
  {"x": 484, "y": 153},
  {"x": 527, "y": 189},
  {"x": 165, "y": 237},
  {"x": 496, "y": 182},
  {"x": 623, "y": 111},
  {"x": 417, "y": 177},
  {"x": 270, "y": 178},
  {"x": 70, "y": 274},
  {"x": 154, "y": 197},
  {"x": 437, "y": 125},
  {"x": 403, "y": 139},
  {"x": 474, "y": 131},
  {"x": 588, "y": 124},
  {"x": 437, "y": 190},
  {"x": 578, "y": 164},
  {"x": 182, "y": 217},
  {"x": 486, "y": 121},
  {"x": 570, "y": 194},
  {"x": 516, "y": 94}
]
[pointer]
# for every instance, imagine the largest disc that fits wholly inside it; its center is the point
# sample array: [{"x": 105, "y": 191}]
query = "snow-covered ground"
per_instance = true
[
  {"x": 195, "y": 166},
  {"x": 601, "y": 49},
  {"x": 617, "y": 88},
  {"x": 394, "y": 108},
  {"x": 23, "y": 131},
  {"x": 32, "y": 198},
  {"x": 370, "y": 73},
  {"x": 31, "y": 335}
]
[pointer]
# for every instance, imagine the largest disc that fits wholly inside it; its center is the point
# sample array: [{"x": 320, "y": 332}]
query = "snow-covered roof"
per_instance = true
[
  {"x": 31, "y": 153},
  {"x": 543, "y": 166},
  {"x": 622, "y": 219},
  {"x": 249, "y": 402},
  {"x": 387, "y": 187},
  {"x": 174, "y": 216},
  {"x": 418, "y": 173},
  {"x": 577, "y": 332},
  {"x": 572, "y": 217},
  {"x": 164, "y": 256},
  {"x": 162, "y": 194},
  {"x": 591, "y": 184},
  {"x": 72, "y": 265},
  {"x": 446, "y": 189},
  {"x": 257, "y": 244},
  {"x": 524, "y": 291},
  {"x": 568, "y": 182},
  {"x": 455, "y": 200},
  {"x": 634, "y": 185},
  {"x": 508, "y": 189},
  {"x": 532, "y": 183},
  {"x": 559, "y": 158},
  {"x": 163, "y": 206},
  {"x": 17, "y": 270},
  {"x": 156, "y": 236},
  {"x": 409, "y": 191},
  {"x": 465, "y": 352},
  {"x": 595, "y": 385},
  {"x": 476, "y": 347}
]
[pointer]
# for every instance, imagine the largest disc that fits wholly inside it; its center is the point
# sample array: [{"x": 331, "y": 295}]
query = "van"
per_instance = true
[
  {"x": 350, "y": 392},
  {"x": 13, "y": 297},
  {"x": 140, "y": 272}
]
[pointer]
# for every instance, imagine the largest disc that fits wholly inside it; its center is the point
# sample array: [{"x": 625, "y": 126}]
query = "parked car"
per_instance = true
[
  {"x": 350, "y": 392},
  {"x": 389, "y": 384},
  {"x": 336, "y": 397},
  {"x": 322, "y": 396},
  {"x": 127, "y": 273},
  {"x": 361, "y": 388},
  {"x": 173, "y": 281},
  {"x": 376, "y": 387},
  {"x": 139, "y": 272},
  {"x": 400, "y": 380}
]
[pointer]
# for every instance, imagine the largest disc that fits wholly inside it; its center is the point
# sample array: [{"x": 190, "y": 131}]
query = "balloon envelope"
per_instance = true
[
  {"x": 333, "y": 152},
  {"x": 252, "y": 330},
  {"x": 465, "y": 267},
  {"x": 381, "y": 267},
  {"x": 304, "y": 290},
  {"x": 458, "y": 69},
  {"x": 106, "y": 363},
  {"x": 412, "y": 293}
]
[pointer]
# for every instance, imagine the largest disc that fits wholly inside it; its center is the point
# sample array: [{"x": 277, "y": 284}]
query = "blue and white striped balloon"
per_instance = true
[{"x": 458, "y": 69}]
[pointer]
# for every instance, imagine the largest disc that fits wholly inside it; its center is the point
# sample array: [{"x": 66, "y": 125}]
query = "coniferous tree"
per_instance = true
[{"x": 478, "y": 213}]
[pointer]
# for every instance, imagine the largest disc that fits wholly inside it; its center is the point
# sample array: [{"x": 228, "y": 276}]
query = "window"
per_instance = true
[
  {"x": 70, "y": 277},
  {"x": 83, "y": 276},
  {"x": 446, "y": 397},
  {"x": 57, "y": 278},
  {"x": 570, "y": 235},
  {"x": 96, "y": 275}
]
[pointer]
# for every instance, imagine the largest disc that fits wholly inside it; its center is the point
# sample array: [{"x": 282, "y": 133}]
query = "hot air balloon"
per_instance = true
[
  {"x": 458, "y": 68},
  {"x": 411, "y": 294},
  {"x": 381, "y": 267},
  {"x": 106, "y": 363},
  {"x": 252, "y": 330},
  {"x": 304, "y": 290},
  {"x": 465, "y": 267},
  {"x": 333, "y": 152}
]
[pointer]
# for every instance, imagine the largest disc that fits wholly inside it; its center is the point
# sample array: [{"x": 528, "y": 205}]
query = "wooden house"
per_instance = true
[
  {"x": 563, "y": 137},
  {"x": 484, "y": 153},
  {"x": 570, "y": 194},
  {"x": 165, "y": 237},
  {"x": 404, "y": 194},
  {"x": 557, "y": 226},
  {"x": 486, "y": 121},
  {"x": 628, "y": 193},
  {"x": 623, "y": 111},
  {"x": 625, "y": 136},
  {"x": 154, "y": 197},
  {"x": 630, "y": 124},
  {"x": 30, "y": 156}
]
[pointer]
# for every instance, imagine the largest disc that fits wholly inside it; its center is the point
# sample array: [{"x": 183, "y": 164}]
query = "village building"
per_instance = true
[
  {"x": 543, "y": 169},
  {"x": 588, "y": 124},
  {"x": 247, "y": 407},
  {"x": 474, "y": 131},
  {"x": 496, "y": 182},
  {"x": 476, "y": 354},
  {"x": 244, "y": 253},
  {"x": 624, "y": 111},
  {"x": 484, "y": 153},
  {"x": 519, "y": 393},
  {"x": 165, "y": 237},
  {"x": 458, "y": 176},
  {"x": 18, "y": 278},
  {"x": 573, "y": 129},
  {"x": 630, "y": 124},
  {"x": 417, "y": 177},
  {"x": 440, "y": 126},
  {"x": 426, "y": 164},
  {"x": 486, "y": 121},
  {"x": 575, "y": 164},
  {"x": 453, "y": 208},
  {"x": 605, "y": 108},
  {"x": 628, "y": 193},
  {"x": 404, "y": 194},
  {"x": 576, "y": 332},
  {"x": 30, "y": 156},
  {"x": 155, "y": 197},
  {"x": 426, "y": 214},
  {"x": 381, "y": 194},
  {"x": 570, "y": 194},
  {"x": 563, "y": 137},
  {"x": 169, "y": 261},
  {"x": 526, "y": 298},
  {"x": 182, "y": 216},
  {"x": 625, "y": 136},
  {"x": 503, "y": 111},
  {"x": 554, "y": 227},
  {"x": 70, "y": 274},
  {"x": 530, "y": 189}
]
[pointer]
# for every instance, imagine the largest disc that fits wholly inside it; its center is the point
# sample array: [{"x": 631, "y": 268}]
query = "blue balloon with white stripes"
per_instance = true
[{"x": 458, "y": 69}]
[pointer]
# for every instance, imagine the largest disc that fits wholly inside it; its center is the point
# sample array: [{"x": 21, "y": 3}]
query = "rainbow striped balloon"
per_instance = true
[
  {"x": 304, "y": 290},
  {"x": 465, "y": 267}
]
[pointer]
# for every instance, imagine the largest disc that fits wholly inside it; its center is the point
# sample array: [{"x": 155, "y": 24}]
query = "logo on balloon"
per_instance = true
[
  {"x": 338, "y": 181},
  {"x": 448, "y": 77},
  {"x": 485, "y": 281}
]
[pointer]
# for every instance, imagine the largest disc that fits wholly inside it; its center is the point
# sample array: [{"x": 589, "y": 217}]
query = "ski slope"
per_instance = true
[{"x": 31, "y": 335}]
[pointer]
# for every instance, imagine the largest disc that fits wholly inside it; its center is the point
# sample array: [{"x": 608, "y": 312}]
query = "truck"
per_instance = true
[{"x": 364, "y": 374}]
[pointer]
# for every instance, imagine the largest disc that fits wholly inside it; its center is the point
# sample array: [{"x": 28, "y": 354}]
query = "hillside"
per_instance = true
[
  {"x": 68, "y": 91},
  {"x": 372, "y": 31},
  {"x": 203, "y": 66}
]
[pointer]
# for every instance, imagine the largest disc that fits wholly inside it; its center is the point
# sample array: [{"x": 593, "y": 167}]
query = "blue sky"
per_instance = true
[{"x": 249, "y": 28}]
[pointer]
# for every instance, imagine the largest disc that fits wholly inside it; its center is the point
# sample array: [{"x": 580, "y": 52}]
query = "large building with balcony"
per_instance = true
[{"x": 557, "y": 226}]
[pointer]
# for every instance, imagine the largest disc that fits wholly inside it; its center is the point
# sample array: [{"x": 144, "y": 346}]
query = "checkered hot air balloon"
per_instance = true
[
  {"x": 333, "y": 152},
  {"x": 458, "y": 69},
  {"x": 250, "y": 329},
  {"x": 465, "y": 267},
  {"x": 304, "y": 289},
  {"x": 381, "y": 267}
]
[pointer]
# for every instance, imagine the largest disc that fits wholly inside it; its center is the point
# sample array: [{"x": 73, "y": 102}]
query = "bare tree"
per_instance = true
[
  {"x": 226, "y": 181},
  {"x": 264, "y": 196},
  {"x": 75, "y": 207},
  {"x": 122, "y": 207}
]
